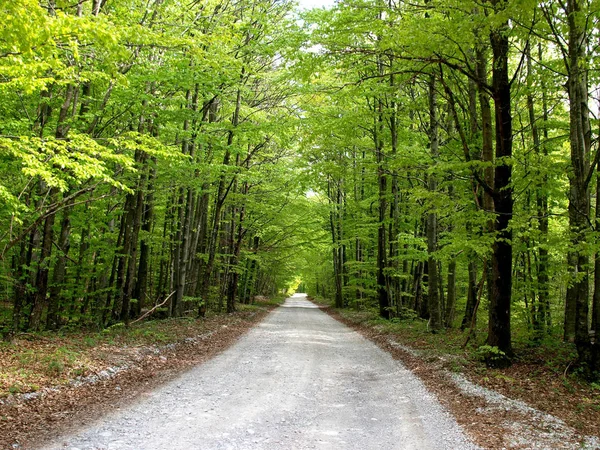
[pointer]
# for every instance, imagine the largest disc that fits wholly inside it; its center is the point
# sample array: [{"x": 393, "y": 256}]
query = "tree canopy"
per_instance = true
[{"x": 434, "y": 159}]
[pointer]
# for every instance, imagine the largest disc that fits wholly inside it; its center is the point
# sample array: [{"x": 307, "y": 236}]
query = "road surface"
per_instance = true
[{"x": 299, "y": 380}]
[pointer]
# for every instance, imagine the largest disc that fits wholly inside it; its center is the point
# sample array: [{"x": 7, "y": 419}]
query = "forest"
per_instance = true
[{"x": 435, "y": 160}]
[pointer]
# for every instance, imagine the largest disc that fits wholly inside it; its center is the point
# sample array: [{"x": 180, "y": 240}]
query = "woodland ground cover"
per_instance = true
[{"x": 32, "y": 362}]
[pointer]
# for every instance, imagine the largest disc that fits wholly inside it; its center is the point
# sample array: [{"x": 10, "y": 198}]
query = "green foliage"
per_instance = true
[
  {"x": 54, "y": 367},
  {"x": 492, "y": 356},
  {"x": 113, "y": 329},
  {"x": 151, "y": 335},
  {"x": 250, "y": 147}
]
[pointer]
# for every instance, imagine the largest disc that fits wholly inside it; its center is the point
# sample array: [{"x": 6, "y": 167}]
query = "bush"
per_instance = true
[{"x": 492, "y": 356}]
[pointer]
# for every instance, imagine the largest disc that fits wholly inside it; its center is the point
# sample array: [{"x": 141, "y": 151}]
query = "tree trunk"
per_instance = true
[
  {"x": 334, "y": 218},
  {"x": 222, "y": 192},
  {"x": 433, "y": 297},
  {"x": 499, "y": 333},
  {"x": 188, "y": 208},
  {"x": 541, "y": 319},
  {"x": 476, "y": 91},
  {"x": 41, "y": 280},
  {"x": 59, "y": 273},
  {"x": 394, "y": 227},
  {"x": 141, "y": 284},
  {"x": 383, "y": 296},
  {"x": 577, "y": 307},
  {"x": 469, "y": 318},
  {"x": 596, "y": 297},
  {"x": 234, "y": 282},
  {"x": 20, "y": 289},
  {"x": 131, "y": 259}
]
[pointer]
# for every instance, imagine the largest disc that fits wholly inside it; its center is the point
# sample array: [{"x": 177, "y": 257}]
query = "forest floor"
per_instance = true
[
  {"x": 536, "y": 403},
  {"x": 53, "y": 382}
]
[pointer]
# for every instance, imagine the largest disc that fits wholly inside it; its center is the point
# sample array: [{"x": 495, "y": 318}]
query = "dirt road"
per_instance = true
[{"x": 300, "y": 380}]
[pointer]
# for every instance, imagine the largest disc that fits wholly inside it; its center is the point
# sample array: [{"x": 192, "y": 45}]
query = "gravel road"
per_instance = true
[{"x": 299, "y": 380}]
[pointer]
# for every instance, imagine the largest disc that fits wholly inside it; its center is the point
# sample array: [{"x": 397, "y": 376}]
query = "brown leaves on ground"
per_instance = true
[
  {"x": 563, "y": 396},
  {"x": 137, "y": 360}
]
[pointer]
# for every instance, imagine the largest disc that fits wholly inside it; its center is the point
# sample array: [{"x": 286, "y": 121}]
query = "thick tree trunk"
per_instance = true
[{"x": 499, "y": 331}]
